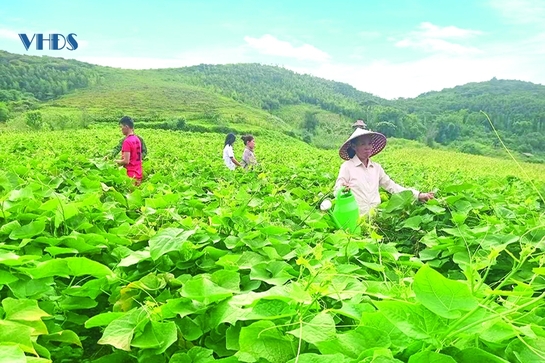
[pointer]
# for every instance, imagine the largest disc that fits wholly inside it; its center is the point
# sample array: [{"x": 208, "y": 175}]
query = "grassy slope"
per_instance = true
[
  {"x": 142, "y": 94},
  {"x": 332, "y": 130}
]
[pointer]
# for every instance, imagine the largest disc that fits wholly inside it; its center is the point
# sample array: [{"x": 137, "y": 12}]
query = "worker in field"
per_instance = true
[
  {"x": 117, "y": 149},
  {"x": 363, "y": 176},
  {"x": 359, "y": 124},
  {"x": 248, "y": 156},
  {"x": 228, "y": 153},
  {"x": 131, "y": 150}
]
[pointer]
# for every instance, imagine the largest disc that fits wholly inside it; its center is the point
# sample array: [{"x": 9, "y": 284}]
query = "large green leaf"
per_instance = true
[
  {"x": 225, "y": 312},
  {"x": 134, "y": 199},
  {"x": 30, "y": 230},
  {"x": 9, "y": 258},
  {"x": 472, "y": 355},
  {"x": 262, "y": 340},
  {"x": 498, "y": 332},
  {"x": 377, "y": 320},
  {"x": 321, "y": 358},
  {"x": 70, "y": 266},
  {"x": 44, "y": 360},
  {"x": 24, "y": 288},
  {"x": 63, "y": 336},
  {"x": 353, "y": 342},
  {"x": 15, "y": 333},
  {"x": 229, "y": 280},
  {"x": 274, "y": 230},
  {"x": 398, "y": 201},
  {"x": 119, "y": 332},
  {"x": 194, "y": 355},
  {"x": 201, "y": 288},
  {"x": 156, "y": 335},
  {"x": 77, "y": 303},
  {"x": 134, "y": 258},
  {"x": 64, "y": 212},
  {"x": 293, "y": 291},
  {"x": 9, "y": 227},
  {"x": 168, "y": 240},
  {"x": 319, "y": 329},
  {"x": 431, "y": 357},
  {"x": 413, "y": 320},
  {"x": 446, "y": 298},
  {"x": 354, "y": 310},
  {"x": 189, "y": 329},
  {"x": 413, "y": 223},
  {"x": 273, "y": 272},
  {"x": 526, "y": 350},
  {"x": 102, "y": 319},
  {"x": 180, "y": 307},
  {"x": 7, "y": 278},
  {"x": 22, "y": 309},
  {"x": 272, "y": 309},
  {"x": 11, "y": 354}
]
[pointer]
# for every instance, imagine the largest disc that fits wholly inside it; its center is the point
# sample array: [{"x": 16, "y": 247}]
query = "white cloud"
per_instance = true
[
  {"x": 432, "y": 38},
  {"x": 434, "y": 73},
  {"x": 428, "y": 30},
  {"x": 436, "y": 45},
  {"x": 8, "y": 34},
  {"x": 520, "y": 11},
  {"x": 270, "y": 45}
]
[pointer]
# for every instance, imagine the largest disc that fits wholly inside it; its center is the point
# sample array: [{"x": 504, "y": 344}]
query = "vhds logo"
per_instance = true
[{"x": 53, "y": 41}]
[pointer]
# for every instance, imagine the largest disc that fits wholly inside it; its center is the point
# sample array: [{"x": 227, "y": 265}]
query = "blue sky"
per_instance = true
[{"x": 396, "y": 48}]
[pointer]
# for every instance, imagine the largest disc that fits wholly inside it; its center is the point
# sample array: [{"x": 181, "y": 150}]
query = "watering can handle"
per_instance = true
[{"x": 341, "y": 190}]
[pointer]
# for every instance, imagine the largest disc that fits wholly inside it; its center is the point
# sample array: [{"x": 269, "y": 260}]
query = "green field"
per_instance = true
[{"x": 200, "y": 264}]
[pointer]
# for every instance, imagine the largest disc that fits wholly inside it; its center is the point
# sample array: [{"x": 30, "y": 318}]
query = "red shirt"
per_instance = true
[{"x": 132, "y": 145}]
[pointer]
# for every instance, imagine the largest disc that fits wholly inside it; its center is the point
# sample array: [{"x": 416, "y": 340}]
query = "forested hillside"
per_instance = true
[
  {"x": 271, "y": 87},
  {"x": 231, "y": 96},
  {"x": 44, "y": 78},
  {"x": 516, "y": 108},
  {"x": 450, "y": 117}
]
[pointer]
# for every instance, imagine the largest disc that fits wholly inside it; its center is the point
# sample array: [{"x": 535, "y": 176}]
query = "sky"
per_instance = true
[{"x": 390, "y": 48}]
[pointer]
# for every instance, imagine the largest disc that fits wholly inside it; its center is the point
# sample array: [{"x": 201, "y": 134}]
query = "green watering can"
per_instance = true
[{"x": 346, "y": 213}]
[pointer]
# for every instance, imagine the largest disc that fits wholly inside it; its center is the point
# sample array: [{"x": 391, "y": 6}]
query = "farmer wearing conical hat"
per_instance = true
[{"x": 363, "y": 176}]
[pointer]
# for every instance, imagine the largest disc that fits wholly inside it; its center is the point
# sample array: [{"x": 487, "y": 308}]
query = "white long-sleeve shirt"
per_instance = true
[
  {"x": 227, "y": 155},
  {"x": 365, "y": 182}
]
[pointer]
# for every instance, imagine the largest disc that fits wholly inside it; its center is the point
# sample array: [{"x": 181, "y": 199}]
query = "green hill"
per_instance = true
[
  {"x": 46, "y": 92},
  {"x": 516, "y": 108}
]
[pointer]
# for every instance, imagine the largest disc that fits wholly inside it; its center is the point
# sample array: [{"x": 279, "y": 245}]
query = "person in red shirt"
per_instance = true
[{"x": 131, "y": 150}]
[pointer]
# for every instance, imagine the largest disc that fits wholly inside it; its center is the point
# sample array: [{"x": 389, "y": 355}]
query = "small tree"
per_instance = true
[
  {"x": 310, "y": 122},
  {"x": 4, "y": 112},
  {"x": 180, "y": 123},
  {"x": 33, "y": 119}
]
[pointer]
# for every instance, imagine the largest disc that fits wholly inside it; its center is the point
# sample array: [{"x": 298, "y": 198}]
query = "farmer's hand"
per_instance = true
[
  {"x": 346, "y": 187},
  {"x": 424, "y": 197}
]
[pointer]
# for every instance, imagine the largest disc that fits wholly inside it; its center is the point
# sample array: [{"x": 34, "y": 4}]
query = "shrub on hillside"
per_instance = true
[
  {"x": 472, "y": 147},
  {"x": 33, "y": 119},
  {"x": 4, "y": 112}
]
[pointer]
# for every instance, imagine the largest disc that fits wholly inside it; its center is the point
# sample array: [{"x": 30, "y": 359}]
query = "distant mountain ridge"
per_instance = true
[{"x": 312, "y": 108}]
